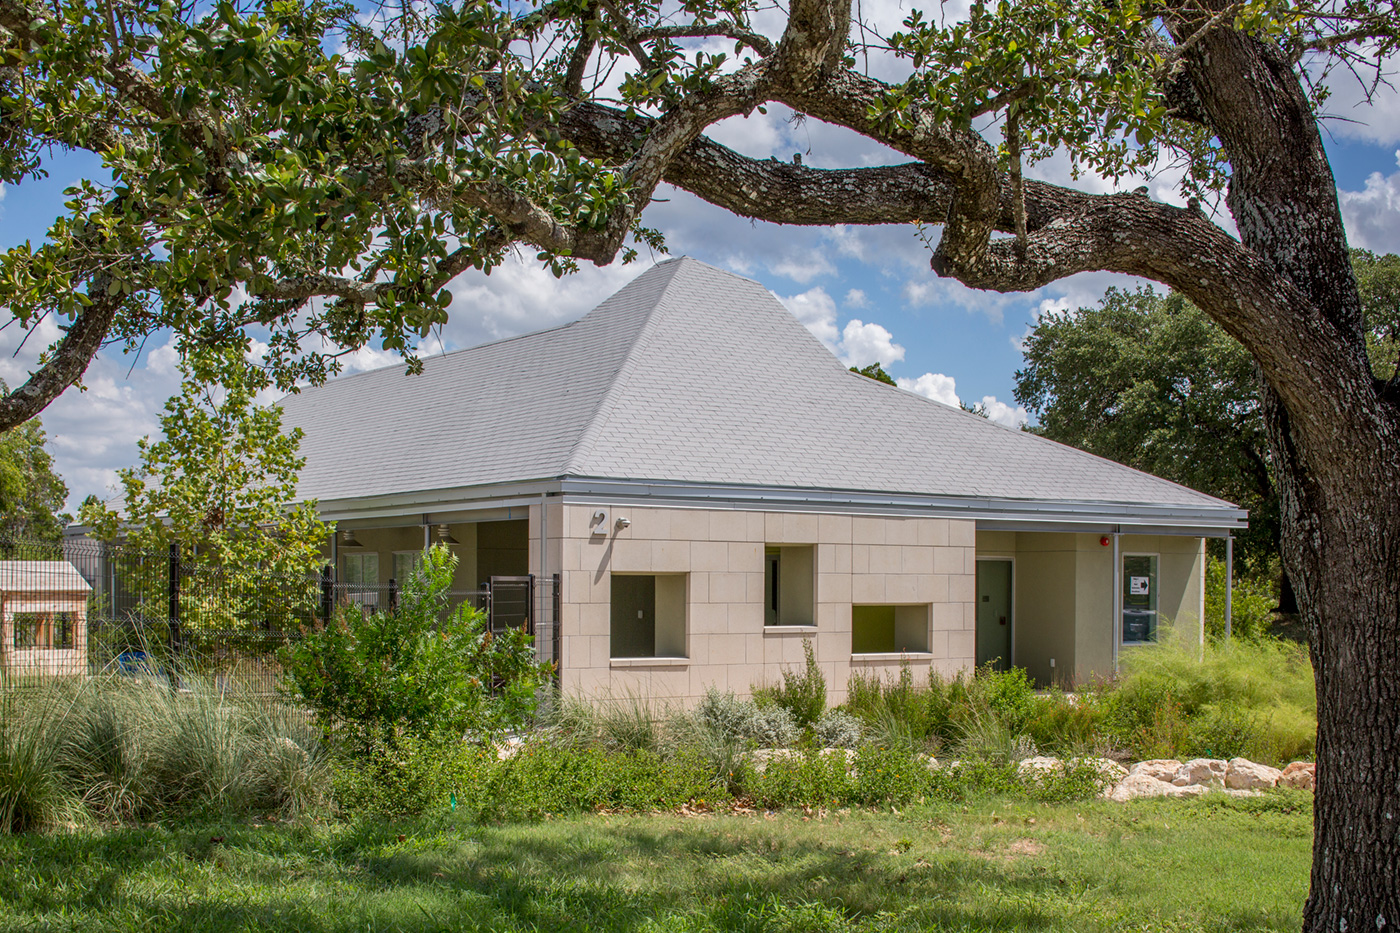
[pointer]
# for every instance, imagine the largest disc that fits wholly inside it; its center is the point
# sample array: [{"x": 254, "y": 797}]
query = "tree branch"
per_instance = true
[{"x": 70, "y": 359}]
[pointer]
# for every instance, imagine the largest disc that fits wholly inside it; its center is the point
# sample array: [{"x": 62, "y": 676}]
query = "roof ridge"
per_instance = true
[{"x": 589, "y": 435}]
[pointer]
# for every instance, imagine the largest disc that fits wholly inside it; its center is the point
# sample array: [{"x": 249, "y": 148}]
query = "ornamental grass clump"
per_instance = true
[{"x": 33, "y": 794}]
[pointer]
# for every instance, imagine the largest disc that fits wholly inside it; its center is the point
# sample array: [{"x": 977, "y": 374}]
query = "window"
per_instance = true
[
  {"x": 43, "y": 629},
  {"x": 362, "y": 569},
  {"x": 406, "y": 564},
  {"x": 1139, "y": 599},
  {"x": 362, "y": 578},
  {"x": 889, "y": 629},
  {"x": 789, "y": 584},
  {"x": 648, "y": 615}
]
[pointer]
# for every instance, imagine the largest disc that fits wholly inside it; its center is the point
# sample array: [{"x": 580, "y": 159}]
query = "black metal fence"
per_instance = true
[{"x": 80, "y": 607}]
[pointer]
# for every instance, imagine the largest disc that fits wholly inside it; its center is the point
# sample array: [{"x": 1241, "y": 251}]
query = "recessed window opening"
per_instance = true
[
  {"x": 1139, "y": 599},
  {"x": 890, "y": 629},
  {"x": 648, "y": 616},
  {"x": 43, "y": 629},
  {"x": 789, "y": 584}
]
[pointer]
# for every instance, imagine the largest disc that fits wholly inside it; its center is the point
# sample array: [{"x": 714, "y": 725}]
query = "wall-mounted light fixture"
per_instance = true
[
  {"x": 348, "y": 539},
  {"x": 444, "y": 536}
]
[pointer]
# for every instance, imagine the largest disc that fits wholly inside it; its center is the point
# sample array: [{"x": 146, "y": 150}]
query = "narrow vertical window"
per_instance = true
[{"x": 1139, "y": 599}]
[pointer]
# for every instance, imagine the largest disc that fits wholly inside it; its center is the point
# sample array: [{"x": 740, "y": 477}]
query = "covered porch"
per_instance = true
[{"x": 1067, "y": 606}]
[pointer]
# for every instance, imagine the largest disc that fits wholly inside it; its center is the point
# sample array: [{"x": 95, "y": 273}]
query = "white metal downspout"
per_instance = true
[
  {"x": 1117, "y": 599},
  {"x": 1229, "y": 582}
]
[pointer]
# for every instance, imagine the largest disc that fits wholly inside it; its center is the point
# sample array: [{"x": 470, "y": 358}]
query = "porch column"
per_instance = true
[{"x": 1229, "y": 581}]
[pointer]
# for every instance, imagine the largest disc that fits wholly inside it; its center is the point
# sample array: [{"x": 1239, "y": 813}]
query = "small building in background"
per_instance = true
[{"x": 43, "y": 618}]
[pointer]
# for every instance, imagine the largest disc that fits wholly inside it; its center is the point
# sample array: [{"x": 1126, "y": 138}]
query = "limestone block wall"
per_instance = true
[{"x": 859, "y": 560}]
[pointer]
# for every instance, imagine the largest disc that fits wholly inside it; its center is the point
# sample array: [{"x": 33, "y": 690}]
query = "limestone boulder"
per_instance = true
[
  {"x": 1244, "y": 774},
  {"x": 1135, "y": 786},
  {"x": 1202, "y": 772},
  {"x": 1301, "y": 774},
  {"x": 1163, "y": 769},
  {"x": 1039, "y": 765}
]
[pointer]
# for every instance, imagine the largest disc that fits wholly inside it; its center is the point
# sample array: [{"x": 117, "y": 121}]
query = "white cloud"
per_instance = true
[
  {"x": 855, "y": 298},
  {"x": 1054, "y": 307},
  {"x": 936, "y": 386},
  {"x": 944, "y": 389},
  {"x": 863, "y": 344},
  {"x": 1004, "y": 414},
  {"x": 802, "y": 269},
  {"x": 164, "y": 360},
  {"x": 857, "y": 344},
  {"x": 1372, "y": 216},
  {"x": 817, "y": 312},
  {"x": 1353, "y": 116}
]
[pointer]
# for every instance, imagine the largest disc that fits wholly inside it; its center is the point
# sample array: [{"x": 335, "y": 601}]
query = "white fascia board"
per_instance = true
[
  {"x": 430, "y": 501},
  {"x": 989, "y": 513},
  {"x": 1025, "y": 514}
]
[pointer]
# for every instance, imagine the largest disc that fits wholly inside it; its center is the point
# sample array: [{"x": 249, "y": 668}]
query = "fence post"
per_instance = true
[
  {"x": 174, "y": 612},
  {"x": 393, "y": 595},
  {"x": 556, "y": 636},
  {"x": 327, "y": 599}
]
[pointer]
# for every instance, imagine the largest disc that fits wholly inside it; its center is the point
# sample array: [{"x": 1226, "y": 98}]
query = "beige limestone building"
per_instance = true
[{"x": 680, "y": 488}]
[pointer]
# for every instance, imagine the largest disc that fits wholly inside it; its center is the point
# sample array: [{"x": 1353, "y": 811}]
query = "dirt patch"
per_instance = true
[{"x": 1025, "y": 847}]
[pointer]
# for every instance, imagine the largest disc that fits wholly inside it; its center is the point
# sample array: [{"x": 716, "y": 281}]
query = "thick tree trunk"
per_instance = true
[
  {"x": 1341, "y": 544},
  {"x": 1335, "y": 439}
]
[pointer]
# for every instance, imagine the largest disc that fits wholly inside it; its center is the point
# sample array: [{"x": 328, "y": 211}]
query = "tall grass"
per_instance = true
[
  {"x": 32, "y": 792},
  {"x": 120, "y": 749},
  {"x": 1252, "y": 697}
]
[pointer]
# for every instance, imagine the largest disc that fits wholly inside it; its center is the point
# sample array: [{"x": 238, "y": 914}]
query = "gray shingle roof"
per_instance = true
[{"x": 688, "y": 374}]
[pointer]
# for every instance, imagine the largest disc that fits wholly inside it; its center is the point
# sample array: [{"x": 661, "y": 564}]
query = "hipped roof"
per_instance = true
[{"x": 689, "y": 374}]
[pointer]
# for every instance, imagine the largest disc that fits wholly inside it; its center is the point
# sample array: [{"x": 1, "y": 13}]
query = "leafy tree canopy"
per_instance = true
[
  {"x": 874, "y": 371},
  {"x": 218, "y": 483},
  {"x": 1151, "y": 381},
  {"x": 31, "y": 493}
]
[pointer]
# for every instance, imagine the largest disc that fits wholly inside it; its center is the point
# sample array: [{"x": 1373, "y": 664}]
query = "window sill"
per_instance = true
[
  {"x": 891, "y": 656},
  {"x": 648, "y": 662},
  {"x": 790, "y": 630},
  {"x": 1137, "y": 644}
]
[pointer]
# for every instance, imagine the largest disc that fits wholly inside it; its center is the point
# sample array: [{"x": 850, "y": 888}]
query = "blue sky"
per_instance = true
[{"x": 867, "y": 292}]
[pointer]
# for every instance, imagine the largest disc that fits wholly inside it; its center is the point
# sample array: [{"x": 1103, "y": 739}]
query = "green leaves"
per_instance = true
[
  {"x": 425, "y": 670},
  {"x": 220, "y": 482}
]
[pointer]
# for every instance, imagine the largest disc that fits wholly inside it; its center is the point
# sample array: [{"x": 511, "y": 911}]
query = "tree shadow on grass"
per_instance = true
[{"x": 624, "y": 875}]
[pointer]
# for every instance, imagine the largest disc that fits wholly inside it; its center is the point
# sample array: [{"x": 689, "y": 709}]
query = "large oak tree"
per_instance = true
[{"x": 260, "y": 181}]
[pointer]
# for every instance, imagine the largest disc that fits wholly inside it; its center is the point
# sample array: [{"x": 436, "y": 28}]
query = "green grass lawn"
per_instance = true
[{"x": 1208, "y": 864}]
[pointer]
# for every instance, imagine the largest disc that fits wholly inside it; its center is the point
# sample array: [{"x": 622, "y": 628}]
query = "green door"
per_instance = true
[{"x": 994, "y": 613}]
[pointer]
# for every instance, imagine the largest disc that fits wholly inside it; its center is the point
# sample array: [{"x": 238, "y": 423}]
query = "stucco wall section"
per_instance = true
[
  {"x": 859, "y": 559},
  {"x": 1063, "y": 597}
]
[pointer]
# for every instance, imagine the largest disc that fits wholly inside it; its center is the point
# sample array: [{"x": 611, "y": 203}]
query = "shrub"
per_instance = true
[
  {"x": 802, "y": 693},
  {"x": 409, "y": 777},
  {"x": 1251, "y": 604},
  {"x": 725, "y": 714},
  {"x": 838, "y": 729},
  {"x": 420, "y": 669},
  {"x": 811, "y": 779},
  {"x": 730, "y": 718}
]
